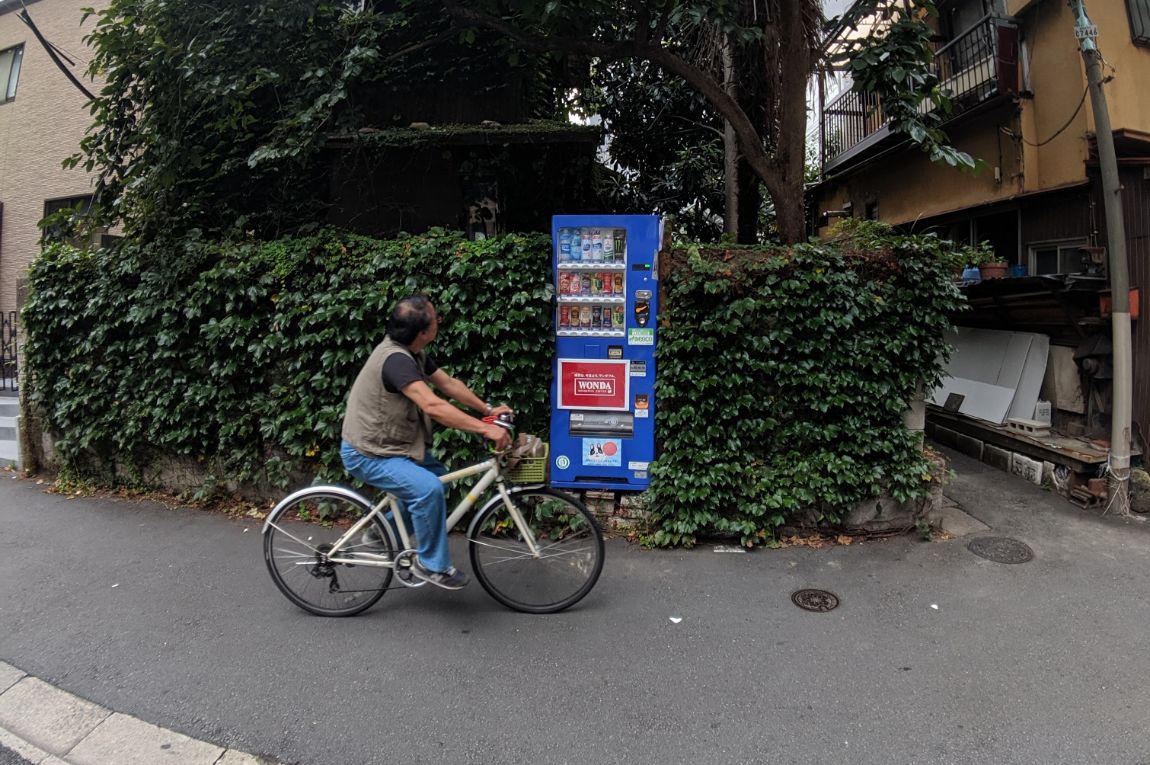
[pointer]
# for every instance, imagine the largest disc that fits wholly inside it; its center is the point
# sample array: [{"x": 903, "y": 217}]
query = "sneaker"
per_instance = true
[{"x": 451, "y": 579}]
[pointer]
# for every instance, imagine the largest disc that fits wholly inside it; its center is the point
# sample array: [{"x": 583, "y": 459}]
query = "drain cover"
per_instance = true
[
  {"x": 815, "y": 600},
  {"x": 1001, "y": 549}
]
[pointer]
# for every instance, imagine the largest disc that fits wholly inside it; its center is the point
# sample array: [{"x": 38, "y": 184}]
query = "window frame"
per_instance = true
[
  {"x": 1138, "y": 11},
  {"x": 8, "y": 88},
  {"x": 1058, "y": 245}
]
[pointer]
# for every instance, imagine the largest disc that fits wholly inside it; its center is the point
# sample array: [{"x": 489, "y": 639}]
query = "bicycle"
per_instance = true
[{"x": 532, "y": 548}]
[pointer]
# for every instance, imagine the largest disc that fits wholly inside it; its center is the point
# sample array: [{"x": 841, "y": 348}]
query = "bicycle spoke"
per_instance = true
[{"x": 569, "y": 551}]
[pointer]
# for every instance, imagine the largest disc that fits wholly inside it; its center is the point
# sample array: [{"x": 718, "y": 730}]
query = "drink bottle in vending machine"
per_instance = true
[{"x": 602, "y": 396}]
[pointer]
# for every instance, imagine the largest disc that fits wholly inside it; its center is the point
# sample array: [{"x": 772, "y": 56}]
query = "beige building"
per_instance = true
[
  {"x": 1022, "y": 107},
  {"x": 42, "y": 119}
]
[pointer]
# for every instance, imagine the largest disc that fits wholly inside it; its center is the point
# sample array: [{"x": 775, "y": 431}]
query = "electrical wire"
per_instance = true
[{"x": 1058, "y": 132}]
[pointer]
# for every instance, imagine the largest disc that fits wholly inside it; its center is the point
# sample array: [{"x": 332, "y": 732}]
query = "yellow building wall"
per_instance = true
[
  {"x": 41, "y": 127},
  {"x": 1039, "y": 143}
]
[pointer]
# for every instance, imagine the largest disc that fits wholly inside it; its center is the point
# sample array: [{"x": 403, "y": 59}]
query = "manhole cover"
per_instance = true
[
  {"x": 1001, "y": 549},
  {"x": 815, "y": 600}
]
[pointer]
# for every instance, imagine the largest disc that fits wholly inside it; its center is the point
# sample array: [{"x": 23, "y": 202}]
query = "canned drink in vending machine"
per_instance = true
[
  {"x": 564, "y": 316},
  {"x": 564, "y": 282},
  {"x": 617, "y": 281},
  {"x": 620, "y": 237},
  {"x": 596, "y": 317},
  {"x": 576, "y": 250},
  {"x": 585, "y": 317},
  {"x": 584, "y": 283},
  {"x": 620, "y": 317},
  {"x": 585, "y": 245},
  {"x": 608, "y": 248}
]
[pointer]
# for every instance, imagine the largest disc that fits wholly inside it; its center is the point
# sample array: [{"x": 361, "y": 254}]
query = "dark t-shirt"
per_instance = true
[{"x": 401, "y": 370}]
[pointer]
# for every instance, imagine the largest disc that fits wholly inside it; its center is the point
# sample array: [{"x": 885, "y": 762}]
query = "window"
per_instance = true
[
  {"x": 62, "y": 218},
  {"x": 10, "y": 72},
  {"x": 1057, "y": 257},
  {"x": 1139, "y": 21}
]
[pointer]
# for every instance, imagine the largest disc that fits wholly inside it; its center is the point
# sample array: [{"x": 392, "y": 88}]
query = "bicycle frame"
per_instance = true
[{"x": 491, "y": 472}]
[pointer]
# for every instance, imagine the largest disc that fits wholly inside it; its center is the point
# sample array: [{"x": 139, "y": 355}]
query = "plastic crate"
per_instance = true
[{"x": 530, "y": 469}]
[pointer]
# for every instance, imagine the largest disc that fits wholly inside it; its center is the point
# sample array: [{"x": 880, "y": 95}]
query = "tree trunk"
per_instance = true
[{"x": 731, "y": 162}]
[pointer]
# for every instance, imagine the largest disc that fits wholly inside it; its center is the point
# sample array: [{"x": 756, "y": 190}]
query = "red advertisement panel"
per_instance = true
[{"x": 594, "y": 384}]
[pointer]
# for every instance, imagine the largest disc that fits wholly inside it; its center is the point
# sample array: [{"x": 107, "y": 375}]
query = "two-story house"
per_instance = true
[{"x": 1021, "y": 106}]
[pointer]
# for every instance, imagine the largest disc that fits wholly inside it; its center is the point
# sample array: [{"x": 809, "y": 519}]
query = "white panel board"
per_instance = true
[{"x": 999, "y": 373}]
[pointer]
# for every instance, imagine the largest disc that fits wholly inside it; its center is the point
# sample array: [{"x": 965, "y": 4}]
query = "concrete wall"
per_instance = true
[{"x": 38, "y": 130}]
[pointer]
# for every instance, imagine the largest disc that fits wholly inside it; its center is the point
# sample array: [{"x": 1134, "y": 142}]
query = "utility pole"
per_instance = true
[{"x": 1119, "y": 464}]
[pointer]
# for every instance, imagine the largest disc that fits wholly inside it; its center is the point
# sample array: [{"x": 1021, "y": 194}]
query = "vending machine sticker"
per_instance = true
[
  {"x": 642, "y": 405},
  {"x": 605, "y": 452},
  {"x": 637, "y": 336},
  {"x": 594, "y": 384},
  {"x": 638, "y": 368}
]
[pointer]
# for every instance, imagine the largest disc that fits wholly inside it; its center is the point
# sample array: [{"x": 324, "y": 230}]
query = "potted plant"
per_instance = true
[{"x": 990, "y": 265}]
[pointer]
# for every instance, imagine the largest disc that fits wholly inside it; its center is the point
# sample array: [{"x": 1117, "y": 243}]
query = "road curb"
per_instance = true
[{"x": 47, "y": 725}]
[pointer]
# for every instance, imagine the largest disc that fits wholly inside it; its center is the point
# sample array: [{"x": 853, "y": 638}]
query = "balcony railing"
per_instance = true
[{"x": 976, "y": 66}]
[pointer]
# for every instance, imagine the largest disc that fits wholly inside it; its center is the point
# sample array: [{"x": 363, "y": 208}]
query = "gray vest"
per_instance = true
[{"x": 380, "y": 423}]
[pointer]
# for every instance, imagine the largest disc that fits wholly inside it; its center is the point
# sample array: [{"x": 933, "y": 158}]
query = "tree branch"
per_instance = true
[{"x": 750, "y": 141}]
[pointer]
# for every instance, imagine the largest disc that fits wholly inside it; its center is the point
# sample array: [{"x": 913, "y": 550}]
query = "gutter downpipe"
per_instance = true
[{"x": 1118, "y": 467}]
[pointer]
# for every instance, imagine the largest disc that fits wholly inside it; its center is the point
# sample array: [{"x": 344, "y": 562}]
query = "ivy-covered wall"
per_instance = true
[{"x": 782, "y": 374}]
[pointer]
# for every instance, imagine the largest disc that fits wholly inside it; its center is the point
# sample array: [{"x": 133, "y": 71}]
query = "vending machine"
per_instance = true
[{"x": 603, "y": 389}]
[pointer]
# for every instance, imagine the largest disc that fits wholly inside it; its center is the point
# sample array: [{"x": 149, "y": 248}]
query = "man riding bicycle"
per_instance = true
[{"x": 387, "y": 430}]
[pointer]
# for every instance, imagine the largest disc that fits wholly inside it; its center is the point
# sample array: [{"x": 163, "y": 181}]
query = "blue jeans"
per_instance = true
[{"x": 416, "y": 485}]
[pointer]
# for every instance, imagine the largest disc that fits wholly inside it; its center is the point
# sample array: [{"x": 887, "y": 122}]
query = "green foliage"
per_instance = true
[
  {"x": 214, "y": 115},
  {"x": 244, "y": 360},
  {"x": 783, "y": 373},
  {"x": 783, "y": 376}
]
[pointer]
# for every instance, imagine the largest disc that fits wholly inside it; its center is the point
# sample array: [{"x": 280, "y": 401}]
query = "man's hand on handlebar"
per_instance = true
[
  {"x": 498, "y": 434},
  {"x": 501, "y": 409}
]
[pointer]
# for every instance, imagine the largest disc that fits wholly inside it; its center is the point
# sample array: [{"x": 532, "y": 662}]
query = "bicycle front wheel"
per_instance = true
[
  {"x": 300, "y": 533},
  {"x": 569, "y": 548}
]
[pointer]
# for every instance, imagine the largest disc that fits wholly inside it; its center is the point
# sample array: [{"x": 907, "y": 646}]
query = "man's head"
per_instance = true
[{"x": 413, "y": 318}]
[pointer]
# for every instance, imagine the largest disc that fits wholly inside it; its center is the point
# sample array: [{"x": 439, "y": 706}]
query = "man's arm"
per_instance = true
[
  {"x": 457, "y": 390},
  {"x": 445, "y": 414}
]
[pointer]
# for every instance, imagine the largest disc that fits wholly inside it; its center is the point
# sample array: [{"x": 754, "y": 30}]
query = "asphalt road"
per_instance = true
[{"x": 934, "y": 656}]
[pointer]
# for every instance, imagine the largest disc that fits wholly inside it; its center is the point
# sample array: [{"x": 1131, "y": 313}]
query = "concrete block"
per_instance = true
[
  {"x": 1031, "y": 428},
  {"x": 9, "y": 676},
  {"x": 127, "y": 741},
  {"x": 1027, "y": 468},
  {"x": 14, "y": 743},
  {"x": 970, "y": 446},
  {"x": 946, "y": 437},
  {"x": 996, "y": 457},
  {"x": 48, "y": 717}
]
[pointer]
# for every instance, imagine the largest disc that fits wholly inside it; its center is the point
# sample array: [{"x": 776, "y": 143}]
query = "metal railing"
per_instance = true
[
  {"x": 978, "y": 64},
  {"x": 9, "y": 352}
]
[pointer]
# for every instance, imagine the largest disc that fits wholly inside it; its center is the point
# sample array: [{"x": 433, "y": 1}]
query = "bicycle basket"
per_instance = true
[{"x": 529, "y": 461}]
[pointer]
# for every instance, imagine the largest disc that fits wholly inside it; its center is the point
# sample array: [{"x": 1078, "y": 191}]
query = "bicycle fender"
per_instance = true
[{"x": 342, "y": 491}]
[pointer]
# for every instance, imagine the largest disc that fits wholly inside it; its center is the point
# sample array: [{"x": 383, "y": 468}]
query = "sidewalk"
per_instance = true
[
  {"x": 128, "y": 615},
  {"x": 48, "y": 726}
]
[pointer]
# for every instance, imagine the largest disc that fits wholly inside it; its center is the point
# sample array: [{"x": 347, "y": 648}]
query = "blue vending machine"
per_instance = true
[{"x": 603, "y": 389}]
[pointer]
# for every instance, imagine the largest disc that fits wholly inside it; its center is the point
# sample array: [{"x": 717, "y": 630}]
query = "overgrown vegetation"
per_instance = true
[
  {"x": 782, "y": 374},
  {"x": 242, "y": 361}
]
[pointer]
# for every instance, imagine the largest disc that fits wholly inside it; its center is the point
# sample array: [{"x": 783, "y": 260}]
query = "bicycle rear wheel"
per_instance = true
[
  {"x": 570, "y": 547},
  {"x": 298, "y": 535}
]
